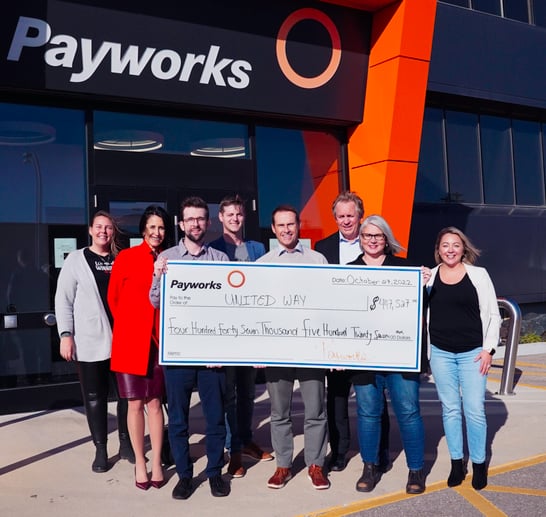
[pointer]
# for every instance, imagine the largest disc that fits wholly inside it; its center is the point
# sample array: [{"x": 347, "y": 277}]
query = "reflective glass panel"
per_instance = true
[
  {"x": 431, "y": 183},
  {"x": 539, "y": 12},
  {"x": 487, "y": 6},
  {"x": 462, "y": 3},
  {"x": 299, "y": 168},
  {"x": 528, "y": 164},
  {"x": 143, "y": 133},
  {"x": 463, "y": 157},
  {"x": 496, "y": 160},
  {"x": 516, "y": 10},
  {"x": 43, "y": 205}
]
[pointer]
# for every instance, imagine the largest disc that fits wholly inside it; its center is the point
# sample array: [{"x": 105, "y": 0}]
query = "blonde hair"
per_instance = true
[{"x": 470, "y": 252}]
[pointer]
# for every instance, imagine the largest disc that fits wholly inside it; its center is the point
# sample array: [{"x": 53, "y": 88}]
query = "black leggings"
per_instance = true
[{"x": 95, "y": 378}]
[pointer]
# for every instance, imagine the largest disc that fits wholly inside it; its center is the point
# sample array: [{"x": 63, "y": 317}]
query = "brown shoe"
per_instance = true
[
  {"x": 280, "y": 478},
  {"x": 255, "y": 452},
  {"x": 317, "y": 477},
  {"x": 235, "y": 467}
]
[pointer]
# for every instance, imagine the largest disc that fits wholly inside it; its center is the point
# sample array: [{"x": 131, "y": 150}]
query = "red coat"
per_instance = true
[{"x": 134, "y": 315}]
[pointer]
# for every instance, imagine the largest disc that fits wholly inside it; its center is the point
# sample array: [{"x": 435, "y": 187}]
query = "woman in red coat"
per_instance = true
[{"x": 135, "y": 341}]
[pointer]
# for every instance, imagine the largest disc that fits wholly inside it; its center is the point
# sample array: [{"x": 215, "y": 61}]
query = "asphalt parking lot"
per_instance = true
[{"x": 46, "y": 457}]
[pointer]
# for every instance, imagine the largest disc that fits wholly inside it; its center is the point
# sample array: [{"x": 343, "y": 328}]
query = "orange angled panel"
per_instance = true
[{"x": 384, "y": 149}]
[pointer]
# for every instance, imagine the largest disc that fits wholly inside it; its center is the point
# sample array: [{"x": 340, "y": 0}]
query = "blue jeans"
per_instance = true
[
  {"x": 210, "y": 382},
  {"x": 404, "y": 395},
  {"x": 239, "y": 405},
  {"x": 458, "y": 379}
]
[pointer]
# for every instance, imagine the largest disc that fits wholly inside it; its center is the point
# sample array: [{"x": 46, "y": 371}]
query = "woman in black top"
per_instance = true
[
  {"x": 464, "y": 322},
  {"x": 379, "y": 246}
]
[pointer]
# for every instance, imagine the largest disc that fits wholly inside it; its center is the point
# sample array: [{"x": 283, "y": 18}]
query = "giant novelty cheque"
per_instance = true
[{"x": 239, "y": 313}]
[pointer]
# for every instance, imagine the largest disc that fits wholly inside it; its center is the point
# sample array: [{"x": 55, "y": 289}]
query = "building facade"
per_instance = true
[{"x": 432, "y": 111}]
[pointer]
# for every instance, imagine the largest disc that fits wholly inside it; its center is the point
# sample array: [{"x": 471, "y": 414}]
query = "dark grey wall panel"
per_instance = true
[{"x": 488, "y": 57}]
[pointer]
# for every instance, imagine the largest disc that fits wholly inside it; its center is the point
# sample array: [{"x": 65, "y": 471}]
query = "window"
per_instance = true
[
  {"x": 539, "y": 12},
  {"x": 142, "y": 133},
  {"x": 462, "y": 3},
  {"x": 43, "y": 195},
  {"x": 463, "y": 157},
  {"x": 496, "y": 149},
  {"x": 293, "y": 167},
  {"x": 487, "y": 6},
  {"x": 431, "y": 176},
  {"x": 516, "y": 10},
  {"x": 528, "y": 165}
]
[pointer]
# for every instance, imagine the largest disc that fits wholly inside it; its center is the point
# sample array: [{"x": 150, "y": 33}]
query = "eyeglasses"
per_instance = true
[
  {"x": 370, "y": 236},
  {"x": 198, "y": 220}
]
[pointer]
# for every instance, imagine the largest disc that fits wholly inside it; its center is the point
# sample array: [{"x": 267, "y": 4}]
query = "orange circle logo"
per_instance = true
[
  {"x": 236, "y": 278},
  {"x": 308, "y": 13}
]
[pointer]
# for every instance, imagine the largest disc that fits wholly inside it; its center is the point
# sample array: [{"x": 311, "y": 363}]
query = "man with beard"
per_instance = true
[{"x": 181, "y": 380}]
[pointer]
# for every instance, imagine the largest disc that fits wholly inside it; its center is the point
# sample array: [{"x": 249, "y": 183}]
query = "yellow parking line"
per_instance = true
[
  {"x": 516, "y": 490},
  {"x": 478, "y": 501},
  {"x": 516, "y": 465},
  {"x": 531, "y": 365},
  {"x": 368, "y": 504}
]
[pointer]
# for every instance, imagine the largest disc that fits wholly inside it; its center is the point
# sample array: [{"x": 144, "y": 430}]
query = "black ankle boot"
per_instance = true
[
  {"x": 100, "y": 464},
  {"x": 126, "y": 451},
  {"x": 479, "y": 475},
  {"x": 457, "y": 474}
]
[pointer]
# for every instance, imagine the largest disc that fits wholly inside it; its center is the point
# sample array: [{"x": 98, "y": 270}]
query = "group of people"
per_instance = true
[{"x": 107, "y": 313}]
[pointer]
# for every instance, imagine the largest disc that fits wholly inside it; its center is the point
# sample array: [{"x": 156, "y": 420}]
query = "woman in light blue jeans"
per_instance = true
[
  {"x": 463, "y": 323},
  {"x": 379, "y": 248}
]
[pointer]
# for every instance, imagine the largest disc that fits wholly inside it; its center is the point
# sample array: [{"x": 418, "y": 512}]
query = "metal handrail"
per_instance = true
[{"x": 512, "y": 342}]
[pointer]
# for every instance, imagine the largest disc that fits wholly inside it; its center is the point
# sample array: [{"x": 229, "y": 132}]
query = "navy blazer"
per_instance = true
[
  {"x": 329, "y": 247},
  {"x": 255, "y": 249}
]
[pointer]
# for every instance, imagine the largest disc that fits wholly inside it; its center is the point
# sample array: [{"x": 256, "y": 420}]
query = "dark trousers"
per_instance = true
[
  {"x": 95, "y": 380},
  {"x": 210, "y": 383},
  {"x": 239, "y": 405},
  {"x": 337, "y": 407}
]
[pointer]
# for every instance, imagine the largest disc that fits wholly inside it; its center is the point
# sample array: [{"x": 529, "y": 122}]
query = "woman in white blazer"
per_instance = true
[{"x": 463, "y": 324}]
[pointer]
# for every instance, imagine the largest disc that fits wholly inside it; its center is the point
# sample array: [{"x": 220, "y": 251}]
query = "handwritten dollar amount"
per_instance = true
[{"x": 390, "y": 304}]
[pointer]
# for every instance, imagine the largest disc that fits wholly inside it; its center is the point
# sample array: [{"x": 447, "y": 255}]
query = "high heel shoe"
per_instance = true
[
  {"x": 143, "y": 485},
  {"x": 158, "y": 484}
]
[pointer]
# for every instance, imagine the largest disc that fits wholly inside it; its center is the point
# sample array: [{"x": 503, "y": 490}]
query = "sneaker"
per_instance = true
[
  {"x": 235, "y": 467},
  {"x": 218, "y": 487},
  {"x": 183, "y": 489},
  {"x": 368, "y": 480},
  {"x": 416, "y": 482},
  {"x": 317, "y": 477},
  {"x": 255, "y": 452},
  {"x": 280, "y": 478}
]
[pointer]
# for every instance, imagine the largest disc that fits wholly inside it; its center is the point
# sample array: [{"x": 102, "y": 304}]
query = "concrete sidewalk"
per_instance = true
[{"x": 46, "y": 458}]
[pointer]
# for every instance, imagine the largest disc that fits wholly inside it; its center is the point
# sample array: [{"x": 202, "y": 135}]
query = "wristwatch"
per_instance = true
[
  {"x": 66, "y": 333},
  {"x": 491, "y": 351}
]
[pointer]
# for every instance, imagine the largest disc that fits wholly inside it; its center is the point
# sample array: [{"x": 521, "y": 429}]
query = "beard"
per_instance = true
[{"x": 197, "y": 239}]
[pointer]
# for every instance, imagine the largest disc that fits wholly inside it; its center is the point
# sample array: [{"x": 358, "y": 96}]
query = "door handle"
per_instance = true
[{"x": 49, "y": 319}]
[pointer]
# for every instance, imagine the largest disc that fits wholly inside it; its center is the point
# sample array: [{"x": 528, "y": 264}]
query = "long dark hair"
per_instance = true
[{"x": 159, "y": 211}]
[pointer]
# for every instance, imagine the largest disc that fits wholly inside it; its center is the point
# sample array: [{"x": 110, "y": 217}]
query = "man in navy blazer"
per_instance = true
[
  {"x": 240, "y": 380},
  {"x": 341, "y": 247}
]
